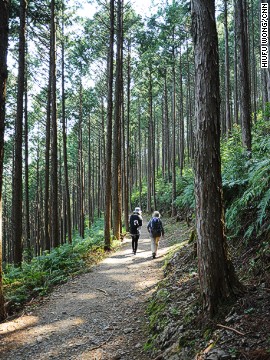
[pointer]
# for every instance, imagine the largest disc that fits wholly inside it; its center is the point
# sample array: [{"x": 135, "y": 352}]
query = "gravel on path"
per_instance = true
[{"x": 99, "y": 315}]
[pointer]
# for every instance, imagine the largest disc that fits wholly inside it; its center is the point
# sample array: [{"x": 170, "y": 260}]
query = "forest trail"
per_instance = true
[{"x": 98, "y": 315}]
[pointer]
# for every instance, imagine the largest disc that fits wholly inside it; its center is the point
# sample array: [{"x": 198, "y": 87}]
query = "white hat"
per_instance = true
[{"x": 138, "y": 210}]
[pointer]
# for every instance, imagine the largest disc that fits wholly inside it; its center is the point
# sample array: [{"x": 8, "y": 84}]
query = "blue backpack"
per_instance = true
[{"x": 156, "y": 227}]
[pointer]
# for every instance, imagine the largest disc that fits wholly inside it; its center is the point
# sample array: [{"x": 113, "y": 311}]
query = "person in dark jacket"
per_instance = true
[
  {"x": 156, "y": 230},
  {"x": 135, "y": 223}
]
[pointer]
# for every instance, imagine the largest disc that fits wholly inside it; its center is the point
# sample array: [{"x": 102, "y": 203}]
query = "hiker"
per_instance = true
[
  {"x": 155, "y": 228},
  {"x": 135, "y": 223}
]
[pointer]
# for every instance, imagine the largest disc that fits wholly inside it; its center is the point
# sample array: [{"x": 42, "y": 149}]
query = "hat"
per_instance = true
[
  {"x": 138, "y": 210},
  {"x": 156, "y": 214}
]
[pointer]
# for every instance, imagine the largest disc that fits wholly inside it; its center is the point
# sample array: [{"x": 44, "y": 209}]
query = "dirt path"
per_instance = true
[{"x": 99, "y": 315}]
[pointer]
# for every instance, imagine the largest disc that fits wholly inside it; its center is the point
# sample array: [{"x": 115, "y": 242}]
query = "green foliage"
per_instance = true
[
  {"x": 43, "y": 272},
  {"x": 233, "y": 158},
  {"x": 164, "y": 194},
  {"x": 184, "y": 188},
  {"x": 185, "y": 191},
  {"x": 248, "y": 211}
]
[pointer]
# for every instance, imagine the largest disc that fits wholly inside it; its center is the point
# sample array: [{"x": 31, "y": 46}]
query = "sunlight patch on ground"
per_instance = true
[
  {"x": 37, "y": 331},
  {"x": 87, "y": 296},
  {"x": 18, "y": 324}
]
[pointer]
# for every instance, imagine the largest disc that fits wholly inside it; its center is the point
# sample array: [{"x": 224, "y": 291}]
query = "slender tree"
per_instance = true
[
  {"x": 64, "y": 135},
  {"x": 4, "y": 13},
  {"x": 17, "y": 188},
  {"x": 173, "y": 213},
  {"x": 108, "y": 179},
  {"x": 116, "y": 196},
  {"x": 227, "y": 70},
  {"x": 244, "y": 78},
  {"x": 217, "y": 277},
  {"x": 54, "y": 152}
]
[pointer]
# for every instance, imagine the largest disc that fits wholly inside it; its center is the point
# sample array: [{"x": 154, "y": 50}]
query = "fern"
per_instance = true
[{"x": 262, "y": 207}]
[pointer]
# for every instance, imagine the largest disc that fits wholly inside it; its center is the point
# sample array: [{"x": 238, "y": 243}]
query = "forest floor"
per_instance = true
[
  {"x": 97, "y": 315},
  {"x": 132, "y": 307}
]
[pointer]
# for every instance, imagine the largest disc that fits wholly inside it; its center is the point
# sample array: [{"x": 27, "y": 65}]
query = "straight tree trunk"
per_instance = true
[
  {"x": 236, "y": 105},
  {"x": 4, "y": 16},
  {"x": 26, "y": 170},
  {"x": 253, "y": 65},
  {"x": 116, "y": 196},
  {"x": 54, "y": 162},
  {"x": 64, "y": 135},
  {"x": 108, "y": 178},
  {"x": 17, "y": 190},
  {"x": 166, "y": 129},
  {"x": 127, "y": 174},
  {"x": 47, "y": 233},
  {"x": 153, "y": 137},
  {"x": 140, "y": 155},
  {"x": 181, "y": 118},
  {"x": 150, "y": 147},
  {"x": 173, "y": 209},
  {"x": 90, "y": 211},
  {"x": 217, "y": 277},
  {"x": 81, "y": 171},
  {"x": 190, "y": 135},
  {"x": 227, "y": 72},
  {"x": 244, "y": 83}
]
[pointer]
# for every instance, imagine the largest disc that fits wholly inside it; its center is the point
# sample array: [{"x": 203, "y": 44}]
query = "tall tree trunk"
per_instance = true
[
  {"x": 127, "y": 174},
  {"x": 54, "y": 162},
  {"x": 253, "y": 65},
  {"x": 116, "y": 196},
  {"x": 17, "y": 190},
  {"x": 217, "y": 277},
  {"x": 64, "y": 135},
  {"x": 236, "y": 105},
  {"x": 47, "y": 233},
  {"x": 227, "y": 72},
  {"x": 4, "y": 15},
  {"x": 153, "y": 146},
  {"x": 80, "y": 169},
  {"x": 90, "y": 211},
  {"x": 140, "y": 155},
  {"x": 166, "y": 129},
  {"x": 150, "y": 147},
  {"x": 190, "y": 135},
  {"x": 26, "y": 169},
  {"x": 244, "y": 83},
  {"x": 173, "y": 209},
  {"x": 181, "y": 118},
  {"x": 108, "y": 178}
]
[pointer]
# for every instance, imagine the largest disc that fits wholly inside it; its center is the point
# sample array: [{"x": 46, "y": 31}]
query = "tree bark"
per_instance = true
[
  {"x": 236, "y": 105},
  {"x": 17, "y": 190},
  {"x": 181, "y": 119},
  {"x": 108, "y": 175},
  {"x": 173, "y": 208},
  {"x": 244, "y": 82},
  {"x": 116, "y": 196},
  {"x": 227, "y": 72},
  {"x": 4, "y": 15},
  {"x": 54, "y": 162},
  {"x": 47, "y": 233},
  {"x": 26, "y": 169},
  {"x": 217, "y": 277},
  {"x": 64, "y": 135}
]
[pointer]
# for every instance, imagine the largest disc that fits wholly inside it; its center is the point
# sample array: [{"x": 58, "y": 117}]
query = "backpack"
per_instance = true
[
  {"x": 134, "y": 225},
  {"x": 155, "y": 227}
]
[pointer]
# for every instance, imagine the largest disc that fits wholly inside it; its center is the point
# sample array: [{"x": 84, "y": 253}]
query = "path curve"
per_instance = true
[{"x": 96, "y": 316}]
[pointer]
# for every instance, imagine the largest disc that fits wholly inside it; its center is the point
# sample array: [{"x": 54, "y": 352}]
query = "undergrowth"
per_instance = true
[
  {"x": 246, "y": 186},
  {"x": 36, "y": 278}
]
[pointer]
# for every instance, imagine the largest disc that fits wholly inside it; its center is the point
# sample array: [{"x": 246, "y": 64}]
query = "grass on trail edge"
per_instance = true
[{"x": 38, "y": 277}]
